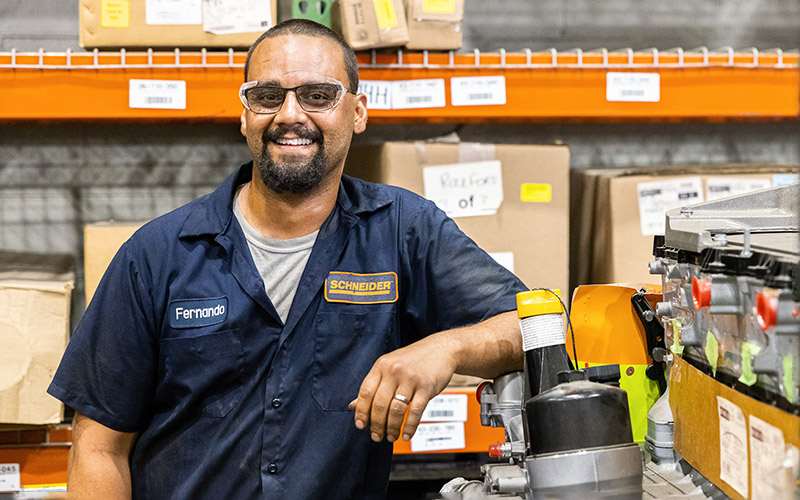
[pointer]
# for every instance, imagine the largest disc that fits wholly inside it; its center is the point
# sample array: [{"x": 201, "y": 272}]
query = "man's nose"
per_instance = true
[{"x": 291, "y": 111}]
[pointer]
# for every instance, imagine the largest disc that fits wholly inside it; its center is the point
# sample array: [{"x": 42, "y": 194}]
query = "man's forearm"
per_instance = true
[
  {"x": 489, "y": 348},
  {"x": 94, "y": 474}
]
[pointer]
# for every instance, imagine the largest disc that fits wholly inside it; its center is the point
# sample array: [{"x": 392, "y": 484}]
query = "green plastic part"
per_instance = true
[
  {"x": 712, "y": 351},
  {"x": 748, "y": 351},
  {"x": 318, "y": 11}
]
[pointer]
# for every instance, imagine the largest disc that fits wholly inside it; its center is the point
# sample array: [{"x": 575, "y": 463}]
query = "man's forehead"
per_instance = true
[
  {"x": 292, "y": 78},
  {"x": 293, "y": 56}
]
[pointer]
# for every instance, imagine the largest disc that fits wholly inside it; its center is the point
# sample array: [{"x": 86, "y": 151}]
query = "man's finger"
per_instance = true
[
  {"x": 397, "y": 410},
  {"x": 415, "y": 410},
  {"x": 380, "y": 408},
  {"x": 365, "y": 396}
]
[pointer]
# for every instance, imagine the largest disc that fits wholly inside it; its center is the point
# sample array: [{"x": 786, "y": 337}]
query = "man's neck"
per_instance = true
[{"x": 285, "y": 216}]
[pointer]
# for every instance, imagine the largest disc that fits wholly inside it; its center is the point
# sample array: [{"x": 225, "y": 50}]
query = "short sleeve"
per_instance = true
[
  {"x": 451, "y": 282},
  {"x": 108, "y": 370}
]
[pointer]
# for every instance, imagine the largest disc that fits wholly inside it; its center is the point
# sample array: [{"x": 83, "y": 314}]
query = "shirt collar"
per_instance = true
[{"x": 212, "y": 213}]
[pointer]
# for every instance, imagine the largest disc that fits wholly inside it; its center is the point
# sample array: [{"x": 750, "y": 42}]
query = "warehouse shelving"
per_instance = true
[{"x": 695, "y": 85}]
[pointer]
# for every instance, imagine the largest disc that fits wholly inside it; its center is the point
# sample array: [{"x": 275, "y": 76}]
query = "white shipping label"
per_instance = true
[
  {"x": 9, "y": 478},
  {"x": 767, "y": 450},
  {"x": 505, "y": 259},
  {"x": 722, "y": 187},
  {"x": 173, "y": 12},
  {"x": 657, "y": 197},
  {"x": 465, "y": 189},
  {"x": 223, "y": 17},
  {"x": 157, "y": 94},
  {"x": 478, "y": 90},
  {"x": 540, "y": 331},
  {"x": 434, "y": 437},
  {"x": 378, "y": 92},
  {"x": 446, "y": 408},
  {"x": 633, "y": 87},
  {"x": 408, "y": 94},
  {"x": 732, "y": 445},
  {"x": 784, "y": 179}
]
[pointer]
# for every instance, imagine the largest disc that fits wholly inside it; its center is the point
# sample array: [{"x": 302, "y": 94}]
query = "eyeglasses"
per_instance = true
[{"x": 312, "y": 97}]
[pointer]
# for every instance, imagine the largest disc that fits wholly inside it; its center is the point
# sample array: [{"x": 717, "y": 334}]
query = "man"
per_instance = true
[{"x": 266, "y": 340}]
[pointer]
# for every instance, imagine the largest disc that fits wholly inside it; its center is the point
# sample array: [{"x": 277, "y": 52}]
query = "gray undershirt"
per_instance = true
[{"x": 279, "y": 262}]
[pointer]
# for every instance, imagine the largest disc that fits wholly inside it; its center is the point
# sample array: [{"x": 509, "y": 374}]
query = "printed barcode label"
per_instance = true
[
  {"x": 446, "y": 408},
  {"x": 732, "y": 445},
  {"x": 9, "y": 478},
  {"x": 408, "y": 94},
  {"x": 633, "y": 87},
  {"x": 478, "y": 90},
  {"x": 657, "y": 197},
  {"x": 434, "y": 437},
  {"x": 722, "y": 187},
  {"x": 157, "y": 94}
]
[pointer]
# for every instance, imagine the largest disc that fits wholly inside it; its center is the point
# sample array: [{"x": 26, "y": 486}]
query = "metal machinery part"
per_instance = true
[{"x": 727, "y": 268}]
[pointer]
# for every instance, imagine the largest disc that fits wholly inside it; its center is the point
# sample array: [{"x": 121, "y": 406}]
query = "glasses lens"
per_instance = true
[
  {"x": 318, "y": 96},
  {"x": 265, "y": 99}
]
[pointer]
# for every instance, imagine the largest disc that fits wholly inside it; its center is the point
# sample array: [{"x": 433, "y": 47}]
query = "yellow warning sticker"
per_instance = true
[
  {"x": 537, "y": 193},
  {"x": 439, "y": 6},
  {"x": 387, "y": 17},
  {"x": 115, "y": 13}
]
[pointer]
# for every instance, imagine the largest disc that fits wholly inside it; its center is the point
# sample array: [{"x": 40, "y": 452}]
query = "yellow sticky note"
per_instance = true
[
  {"x": 439, "y": 6},
  {"x": 387, "y": 17},
  {"x": 115, "y": 13},
  {"x": 748, "y": 351},
  {"x": 712, "y": 351},
  {"x": 538, "y": 193}
]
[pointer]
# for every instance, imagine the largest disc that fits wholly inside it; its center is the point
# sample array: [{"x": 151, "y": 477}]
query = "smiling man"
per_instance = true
[{"x": 266, "y": 341}]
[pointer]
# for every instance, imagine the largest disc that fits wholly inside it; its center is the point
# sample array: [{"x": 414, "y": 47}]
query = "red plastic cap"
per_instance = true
[
  {"x": 496, "y": 450},
  {"x": 766, "y": 310},
  {"x": 479, "y": 391},
  {"x": 701, "y": 293}
]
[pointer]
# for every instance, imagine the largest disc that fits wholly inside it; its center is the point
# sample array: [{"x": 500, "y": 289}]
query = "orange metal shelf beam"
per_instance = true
[{"x": 540, "y": 87}]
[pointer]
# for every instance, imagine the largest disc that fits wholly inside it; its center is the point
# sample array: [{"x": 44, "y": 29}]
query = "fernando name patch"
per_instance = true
[
  {"x": 352, "y": 288},
  {"x": 193, "y": 313}
]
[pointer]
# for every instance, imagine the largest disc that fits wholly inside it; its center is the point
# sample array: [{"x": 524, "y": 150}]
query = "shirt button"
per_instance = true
[
  {"x": 276, "y": 403},
  {"x": 272, "y": 469}
]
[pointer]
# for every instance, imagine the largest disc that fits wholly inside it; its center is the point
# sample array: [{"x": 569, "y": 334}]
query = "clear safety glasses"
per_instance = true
[{"x": 312, "y": 97}]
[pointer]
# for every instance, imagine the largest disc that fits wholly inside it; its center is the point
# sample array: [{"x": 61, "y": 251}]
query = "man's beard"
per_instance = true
[{"x": 293, "y": 177}]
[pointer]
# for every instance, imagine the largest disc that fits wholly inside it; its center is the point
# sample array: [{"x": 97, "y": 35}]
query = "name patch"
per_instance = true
[
  {"x": 352, "y": 288},
  {"x": 193, "y": 313}
]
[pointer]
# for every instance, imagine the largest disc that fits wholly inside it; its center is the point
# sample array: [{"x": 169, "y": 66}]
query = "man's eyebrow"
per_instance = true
[{"x": 269, "y": 82}]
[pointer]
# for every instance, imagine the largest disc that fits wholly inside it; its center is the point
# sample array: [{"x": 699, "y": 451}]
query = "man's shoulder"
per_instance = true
[
  {"x": 164, "y": 231},
  {"x": 375, "y": 195}
]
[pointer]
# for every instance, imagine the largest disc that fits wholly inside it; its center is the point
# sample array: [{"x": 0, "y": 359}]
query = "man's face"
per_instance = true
[{"x": 296, "y": 150}]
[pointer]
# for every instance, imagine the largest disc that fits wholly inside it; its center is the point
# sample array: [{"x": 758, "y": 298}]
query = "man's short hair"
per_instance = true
[{"x": 310, "y": 28}]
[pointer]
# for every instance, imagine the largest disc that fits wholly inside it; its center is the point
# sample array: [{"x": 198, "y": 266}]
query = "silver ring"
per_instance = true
[{"x": 402, "y": 399}]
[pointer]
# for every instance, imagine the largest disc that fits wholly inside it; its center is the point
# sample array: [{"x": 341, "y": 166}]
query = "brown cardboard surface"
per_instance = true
[
  {"x": 101, "y": 242},
  {"x": 536, "y": 233},
  {"x": 607, "y": 225},
  {"x": 357, "y": 21},
  {"x": 693, "y": 399},
  {"x": 434, "y": 31},
  {"x": 34, "y": 328},
  {"x": 141, "y": 35}
]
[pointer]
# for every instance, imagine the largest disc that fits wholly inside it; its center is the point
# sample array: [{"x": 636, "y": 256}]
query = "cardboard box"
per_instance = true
[
  {"x": 528, "y": 231},
  {"x": 370, "y": 24},
  {"x": 615, "y": 213},
  {"x": 704, "y": 409},
  {"x": 434, "y": 25},
  {"x": 34, "y": 328},
  {"x": 101, "y": 241},
  {"x": 148, "y": 23}
]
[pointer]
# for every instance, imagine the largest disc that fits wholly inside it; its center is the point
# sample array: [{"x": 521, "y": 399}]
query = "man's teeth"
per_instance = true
[{"x": 294, "y": 142}]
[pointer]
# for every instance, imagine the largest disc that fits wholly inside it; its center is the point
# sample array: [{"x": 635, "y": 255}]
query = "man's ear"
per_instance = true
[
  {"x": 360, "y": 114},
  {"x": 243, "y": 121}
]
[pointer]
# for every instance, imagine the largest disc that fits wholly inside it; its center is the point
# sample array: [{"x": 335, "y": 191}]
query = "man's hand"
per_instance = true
[
  {"x": 417, "y": 372},
  {"x": 420, "y": 371}
]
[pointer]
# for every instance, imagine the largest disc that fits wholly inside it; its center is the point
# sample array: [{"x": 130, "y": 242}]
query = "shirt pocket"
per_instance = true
[
  {"x": 346, "y": 345},
  {"x": 204, "y": 374}
]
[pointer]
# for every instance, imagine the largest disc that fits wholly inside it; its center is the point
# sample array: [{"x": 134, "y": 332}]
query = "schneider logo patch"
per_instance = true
[
  {"x": 352, "y": 288},
  {"x": 192, "y": 313}
]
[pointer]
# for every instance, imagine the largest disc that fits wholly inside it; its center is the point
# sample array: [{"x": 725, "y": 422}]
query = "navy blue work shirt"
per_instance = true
[{"x": 182, "y": 345}]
